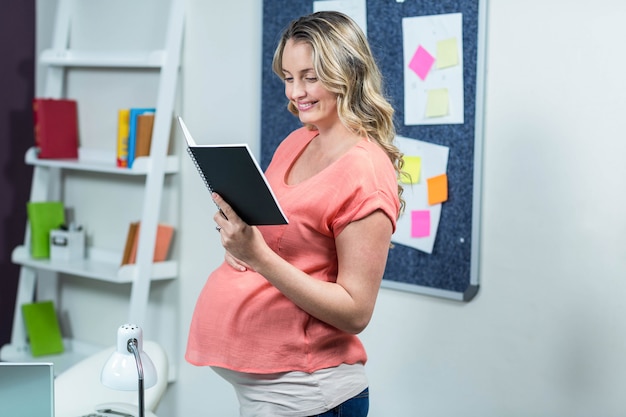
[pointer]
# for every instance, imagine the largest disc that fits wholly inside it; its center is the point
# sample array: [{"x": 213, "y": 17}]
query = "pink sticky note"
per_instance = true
[
  {"x": 422, "y": 62},
  {"x": 420, "y": 223}
]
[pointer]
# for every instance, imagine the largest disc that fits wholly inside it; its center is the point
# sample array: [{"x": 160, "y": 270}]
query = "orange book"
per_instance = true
[
  {"x": 144, "y": 134},
  {"x": 161, "y": 249},
  {"x": 130, "y": 242}
]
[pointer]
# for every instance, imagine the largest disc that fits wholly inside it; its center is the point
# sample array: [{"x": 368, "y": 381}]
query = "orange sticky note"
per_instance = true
[{"x": 437, "y": 189}]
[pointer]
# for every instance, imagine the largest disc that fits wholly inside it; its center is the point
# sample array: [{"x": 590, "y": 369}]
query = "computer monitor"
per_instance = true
[{"x": 26, "y": 389}]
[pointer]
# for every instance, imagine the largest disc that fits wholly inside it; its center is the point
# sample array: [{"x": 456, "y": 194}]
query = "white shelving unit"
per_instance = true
[
  {"x": 101, "y": 264},
  {"x": 98, "y": 161}
]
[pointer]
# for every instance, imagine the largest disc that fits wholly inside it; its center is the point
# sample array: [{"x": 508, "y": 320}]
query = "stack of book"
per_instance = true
[
  {"x": 134, "y": 134},
  {"x": 161, "y": 248}
]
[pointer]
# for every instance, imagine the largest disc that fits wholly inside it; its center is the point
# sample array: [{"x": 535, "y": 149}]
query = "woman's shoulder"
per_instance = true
[
  {"x": 370, "y": 167},
  {"x": 368, "y": 154}
]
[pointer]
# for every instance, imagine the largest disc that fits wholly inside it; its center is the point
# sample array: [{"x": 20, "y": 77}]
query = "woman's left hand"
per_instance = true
[{"x": 236, "y": 263}]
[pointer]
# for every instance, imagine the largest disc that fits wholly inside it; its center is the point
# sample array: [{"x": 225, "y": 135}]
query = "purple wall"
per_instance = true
[{"x": 17, "y": 86}]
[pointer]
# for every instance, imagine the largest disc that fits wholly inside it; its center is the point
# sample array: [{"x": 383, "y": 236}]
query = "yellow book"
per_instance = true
[{"x": 123, "y": 128}]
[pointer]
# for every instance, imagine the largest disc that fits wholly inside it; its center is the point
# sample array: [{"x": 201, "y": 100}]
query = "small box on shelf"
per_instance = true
[{"x": 67, "y": 244}]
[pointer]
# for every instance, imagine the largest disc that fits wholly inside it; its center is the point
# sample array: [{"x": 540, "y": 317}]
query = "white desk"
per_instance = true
[
  {"x": 116, "y": 407},
  {"x": 78, "y": 391}
]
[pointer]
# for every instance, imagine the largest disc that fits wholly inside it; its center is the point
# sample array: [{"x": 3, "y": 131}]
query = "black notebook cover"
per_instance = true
[{"x": 232, "y": 172}]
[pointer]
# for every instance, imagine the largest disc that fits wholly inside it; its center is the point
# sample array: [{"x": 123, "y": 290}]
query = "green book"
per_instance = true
[
  {"x": 42, "y": 327},
  {"x": 43, "y": 216}
]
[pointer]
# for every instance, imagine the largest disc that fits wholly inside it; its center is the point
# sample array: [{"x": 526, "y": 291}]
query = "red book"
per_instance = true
[{"x": 56, "y": 128}]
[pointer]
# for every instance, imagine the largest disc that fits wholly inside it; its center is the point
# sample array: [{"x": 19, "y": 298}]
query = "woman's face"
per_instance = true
[{"x": 316, "y": 105}]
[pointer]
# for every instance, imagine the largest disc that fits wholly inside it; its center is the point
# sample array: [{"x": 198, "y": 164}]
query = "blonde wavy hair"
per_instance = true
[{"x": 344, "y": 64}]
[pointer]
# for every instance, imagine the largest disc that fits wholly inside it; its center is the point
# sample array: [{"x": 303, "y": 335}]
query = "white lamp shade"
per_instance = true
[{"x": 120, "y": 371}]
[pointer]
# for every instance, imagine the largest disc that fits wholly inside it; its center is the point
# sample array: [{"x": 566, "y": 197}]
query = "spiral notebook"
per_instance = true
[{"x": 233, "y": 172}]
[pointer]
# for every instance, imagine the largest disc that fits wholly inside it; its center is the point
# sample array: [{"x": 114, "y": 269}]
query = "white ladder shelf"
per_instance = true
[{"x": 41, "y": 275}]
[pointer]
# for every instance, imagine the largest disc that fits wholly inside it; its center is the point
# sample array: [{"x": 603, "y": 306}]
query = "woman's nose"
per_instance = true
[{"x": 297, "y": 90}]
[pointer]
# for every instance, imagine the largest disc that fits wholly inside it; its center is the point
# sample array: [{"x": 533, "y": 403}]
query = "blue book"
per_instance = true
[{"x": 132, "y": 131}]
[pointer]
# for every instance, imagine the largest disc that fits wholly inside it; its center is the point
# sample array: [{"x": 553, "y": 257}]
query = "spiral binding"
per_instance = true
[{"x": 195, "y": 162}]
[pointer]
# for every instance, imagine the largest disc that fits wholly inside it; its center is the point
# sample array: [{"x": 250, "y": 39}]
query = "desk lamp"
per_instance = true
[{"x": 129, "y": 367}]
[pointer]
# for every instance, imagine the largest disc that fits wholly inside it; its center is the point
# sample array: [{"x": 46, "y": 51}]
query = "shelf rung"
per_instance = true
[
  {"x": 119, "y": 59},
  {"x": 101, "y": 161},
  {"x": 99, "y": 264}
]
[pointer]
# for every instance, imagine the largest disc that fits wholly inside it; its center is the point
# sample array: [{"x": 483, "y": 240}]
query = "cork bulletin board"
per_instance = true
[{"x": 438, "y": 110}]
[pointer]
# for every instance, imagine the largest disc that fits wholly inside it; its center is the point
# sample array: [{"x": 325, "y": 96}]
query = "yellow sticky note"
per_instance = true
[
  {"x": 412, "y": 169},
  {"x": 437, "y": 189},
  {"x": 437, "y": 103},
  {"x": 447, "y": 53}
]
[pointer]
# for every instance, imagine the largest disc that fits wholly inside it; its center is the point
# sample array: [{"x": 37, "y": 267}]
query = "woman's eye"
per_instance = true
[
  {"x": 311, "y": 79},
  {"x": 288, "y": 79}
]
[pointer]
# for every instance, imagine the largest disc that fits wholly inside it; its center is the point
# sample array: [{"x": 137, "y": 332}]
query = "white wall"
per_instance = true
[
  {"x": 546, "y": 335},
  {"x": 221, "y": 98}
]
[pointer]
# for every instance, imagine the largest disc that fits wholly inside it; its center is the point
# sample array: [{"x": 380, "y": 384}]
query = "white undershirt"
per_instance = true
[{"x": 295, "y": 394}]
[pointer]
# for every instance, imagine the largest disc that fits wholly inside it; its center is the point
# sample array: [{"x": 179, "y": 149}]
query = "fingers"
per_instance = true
[
  {"x": 224, "y": 209},
  {"x": 234, "y": 262},
  {"x": 226, "y": 217},
  {"x": 237, "y": 237},
  {"x": 220, "y": 217}
]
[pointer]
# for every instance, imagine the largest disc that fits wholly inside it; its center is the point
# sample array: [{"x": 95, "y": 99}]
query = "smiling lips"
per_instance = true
[{"x": 304, "y": 106}]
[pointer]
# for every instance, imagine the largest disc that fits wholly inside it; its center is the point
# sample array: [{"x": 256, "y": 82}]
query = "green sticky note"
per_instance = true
[
  {"x": 437, "y": 103},
  {"x": 42, "y": 327},
  {"x": 447, "y": 53},
  {"x": 43, "y": 216}
]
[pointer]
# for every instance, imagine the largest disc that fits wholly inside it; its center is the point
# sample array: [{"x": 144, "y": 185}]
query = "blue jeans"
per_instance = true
[{"x": 357, "y": 406}]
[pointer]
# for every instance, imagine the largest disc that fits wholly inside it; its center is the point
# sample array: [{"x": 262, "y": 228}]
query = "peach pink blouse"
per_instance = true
[{"x": 241, "y": 322}]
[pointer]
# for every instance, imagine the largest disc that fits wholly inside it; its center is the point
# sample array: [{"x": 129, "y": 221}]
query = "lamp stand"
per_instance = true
[{"x": 133, "y": 348}]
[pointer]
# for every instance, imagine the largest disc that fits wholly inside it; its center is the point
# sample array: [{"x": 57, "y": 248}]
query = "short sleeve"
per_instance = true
[{"x": 371, "y": 184}]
